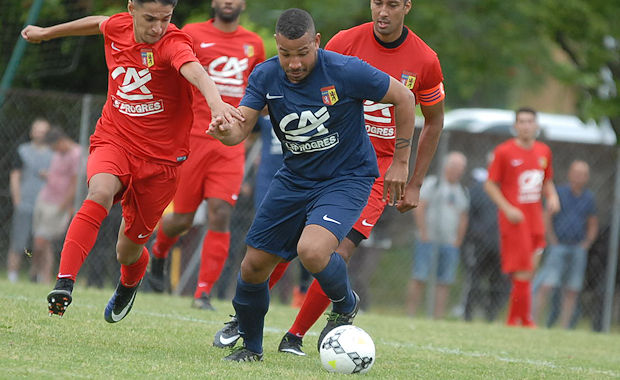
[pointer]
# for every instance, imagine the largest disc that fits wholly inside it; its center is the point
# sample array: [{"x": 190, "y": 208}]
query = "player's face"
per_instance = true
[
  {"x": 150, "y": 20},
  {"x": 388, "y": 17},
  {"x": 526, "y": 126},
  {"x": 298, "y": 57},
  {"x": 228, "y": 10}
]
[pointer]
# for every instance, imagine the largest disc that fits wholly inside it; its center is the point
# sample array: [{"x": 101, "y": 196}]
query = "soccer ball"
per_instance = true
[{"x": 347, "y": 349}]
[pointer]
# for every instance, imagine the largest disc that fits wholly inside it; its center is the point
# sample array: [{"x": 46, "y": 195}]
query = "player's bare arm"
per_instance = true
[
  {"x": 85, "y": 26},
  {"x": 427, "y": 145},
  {"x": 552, "y": 201},
  {"x": 404, "y": 112},
  {"x": 512, "y": 213},
  {"x": 236, "y": 131},
  {"x": 196, "y": 75}
]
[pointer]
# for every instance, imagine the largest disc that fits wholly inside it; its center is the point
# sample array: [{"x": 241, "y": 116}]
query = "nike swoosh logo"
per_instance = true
[
  {"x": 516, "y": 162},
  {"x": 114, "y": 47},
  {"x": 143, "y": 236},
  {"x": 121, "y": 315},
  {"x": 274, "y": 96},
  {"x": 205, "y": 45},
  {"x": 328, "y": 219},
  {"x": 227, "y": 341},
  {"x": 365, "y": 223}
]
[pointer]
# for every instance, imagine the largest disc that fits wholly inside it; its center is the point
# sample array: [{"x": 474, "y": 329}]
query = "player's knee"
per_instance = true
[
  {"x": 183, "y": 222},
  {"x": 252, "y": 270},
  {"x": 219, "y": 216},
  {"x": 103, "y": 196}
]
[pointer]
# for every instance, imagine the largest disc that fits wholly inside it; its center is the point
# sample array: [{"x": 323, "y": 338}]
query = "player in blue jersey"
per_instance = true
[{"x": 315, "y": 100}]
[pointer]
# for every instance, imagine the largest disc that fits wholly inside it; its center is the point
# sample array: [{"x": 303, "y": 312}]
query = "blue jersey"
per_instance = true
[{"x": 320, "y": 121}]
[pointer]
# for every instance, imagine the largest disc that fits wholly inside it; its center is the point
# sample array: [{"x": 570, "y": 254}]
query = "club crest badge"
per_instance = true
[
  {"x": 148, "y": 59},
  {"x": 329, "y": 95},
  {"x": 408, "y": 79}
]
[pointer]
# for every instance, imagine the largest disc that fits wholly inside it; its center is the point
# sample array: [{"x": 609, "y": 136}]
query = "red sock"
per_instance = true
[
  {"x": 132, "y": 274},
  {"x": 520, "y": 302},
  {"x": 315, "y": 304},
  {"x": 162, "y": 244},
  {"x": 277, "y": 273},
  {"x": 214, "y": 255},
  {"x": 80, "y": 238}
]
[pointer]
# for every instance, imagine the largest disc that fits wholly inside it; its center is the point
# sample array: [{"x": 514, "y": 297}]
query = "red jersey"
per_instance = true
[
  {"x": 228, "y": 58},
  {"x": 520, "y": 174},
  {"x": 148, "y": 109},
  {"x": 413, "y": 62}
]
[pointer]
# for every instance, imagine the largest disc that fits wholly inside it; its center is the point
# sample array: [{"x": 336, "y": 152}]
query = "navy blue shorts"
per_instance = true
[{"x": 291, "y": 203}]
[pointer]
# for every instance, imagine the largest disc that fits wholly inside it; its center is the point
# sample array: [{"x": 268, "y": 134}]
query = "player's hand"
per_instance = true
[
  {"x": 410, "y": 198},
  {"x": 514, "y": 215},
  {"x": 226, "y": 111},
  {"x": 34, "y": 34},
  {"x": 394, "y": 183},
  {"x": 219, "y": 128}
]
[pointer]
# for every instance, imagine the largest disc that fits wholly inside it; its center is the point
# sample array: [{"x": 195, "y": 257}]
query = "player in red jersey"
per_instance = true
[
  {"x": 214, "y": 171},
  {"x": 519, "y": 175},
  {"x": 387, "y": 44},
  {"x": 140, "y": 139}
]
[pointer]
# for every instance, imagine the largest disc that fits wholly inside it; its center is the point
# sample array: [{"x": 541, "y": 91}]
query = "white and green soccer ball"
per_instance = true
[{"x": 347, "y": 349}]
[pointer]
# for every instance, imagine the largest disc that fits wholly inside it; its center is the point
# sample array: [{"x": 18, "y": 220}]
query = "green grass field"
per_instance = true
[{"x": 163, "y": 337}]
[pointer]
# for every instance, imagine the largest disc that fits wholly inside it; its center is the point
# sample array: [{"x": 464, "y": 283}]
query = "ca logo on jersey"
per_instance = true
[
  {"x": 379, "y": 120},
  {"x": 530, "y": 185},
  {"x": 227, "y": 73},
  {"x": 309, "y": 133},
  {"x": 133, "y": 93}
]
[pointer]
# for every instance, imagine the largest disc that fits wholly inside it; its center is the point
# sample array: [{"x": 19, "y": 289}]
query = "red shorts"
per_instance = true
[
  {"x": 518, "y": 245},
  {"x": 375, "y": 206},
  {"x": 212, "y": 170},
  {"x": 148, "y": 187}
]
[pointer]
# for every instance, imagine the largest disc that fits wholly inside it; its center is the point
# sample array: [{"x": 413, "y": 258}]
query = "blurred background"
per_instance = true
[{"x": 559, "y": 57}]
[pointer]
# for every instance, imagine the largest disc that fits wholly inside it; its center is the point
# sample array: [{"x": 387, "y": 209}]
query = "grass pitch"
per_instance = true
[{"x": 163, "y": 337}]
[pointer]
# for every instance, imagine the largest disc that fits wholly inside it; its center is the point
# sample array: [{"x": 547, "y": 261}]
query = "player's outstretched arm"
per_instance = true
[
  {"x": 512, "y": 213},
  {"x": 237, "y": 131},
  {"x": 404, "y": 112},
  {"x": 196, "y": 75},
  {"x": 85, "y": 26},
  {"x": 427, "y": 146}
]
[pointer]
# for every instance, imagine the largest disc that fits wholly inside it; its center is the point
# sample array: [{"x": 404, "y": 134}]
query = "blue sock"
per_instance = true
[
  {"x": 251, "y": 303},
  {"x": 334, "y": 281}
]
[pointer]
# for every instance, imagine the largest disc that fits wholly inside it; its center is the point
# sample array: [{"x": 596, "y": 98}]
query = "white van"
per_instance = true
[{"x": 554, "y": 127}]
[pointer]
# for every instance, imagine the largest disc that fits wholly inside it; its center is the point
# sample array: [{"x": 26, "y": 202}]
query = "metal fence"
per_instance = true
[{"x": 381, "y": 268}]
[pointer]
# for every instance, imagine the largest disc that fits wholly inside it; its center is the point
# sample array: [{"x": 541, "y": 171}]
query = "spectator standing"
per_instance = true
[
  {"x": 486, "y": 285},
  {"x": 213, "y": 171},
  {"x": 27, "y": 177},
  {"x": 441, "y": 221},
  {"x": 519, "y": 175},
  {"x": 570, "y": 233},
  {"x": 54, "y": 205}
]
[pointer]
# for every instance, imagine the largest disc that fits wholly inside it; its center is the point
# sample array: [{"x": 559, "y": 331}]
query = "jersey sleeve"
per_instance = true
[
  {"x": 431, "y": 90},
  {"x": 17, "y": 163},
  {"x": 495, "y": 168},
  {"x": 179, "y": 50},
  {"x": 364, "y": 81},
  {"x": 254, "y": 96},
  {"x": 549, "y": 168},
  {"x": 336, "y": 44}
]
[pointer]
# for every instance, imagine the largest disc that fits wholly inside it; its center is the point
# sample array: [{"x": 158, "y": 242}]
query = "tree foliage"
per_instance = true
[{"x": 488, "y": 48}]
